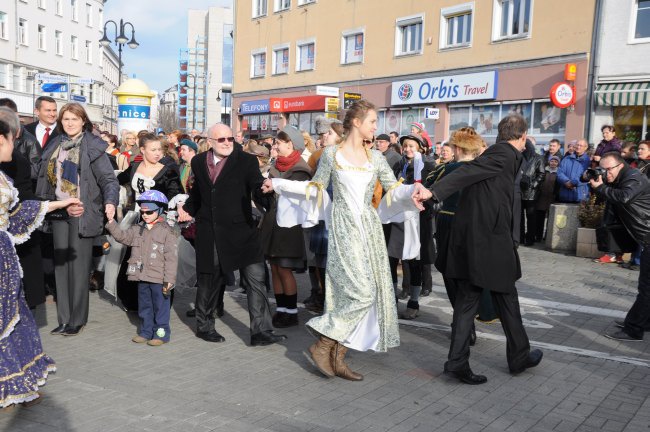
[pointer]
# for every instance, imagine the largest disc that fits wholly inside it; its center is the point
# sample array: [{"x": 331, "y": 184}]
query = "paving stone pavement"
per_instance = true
[{"x": 585, "y": 382}]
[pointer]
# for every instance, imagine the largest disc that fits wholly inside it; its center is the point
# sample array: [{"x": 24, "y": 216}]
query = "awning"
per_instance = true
[{"x": 623, "y": 94}]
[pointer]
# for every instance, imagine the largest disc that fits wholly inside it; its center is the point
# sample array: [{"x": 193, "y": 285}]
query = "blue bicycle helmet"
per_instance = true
[{"x": 153, "y": 196}]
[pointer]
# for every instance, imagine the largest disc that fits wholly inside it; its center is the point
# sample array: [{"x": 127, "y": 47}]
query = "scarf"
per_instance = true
[
  {"x": 285, "y": 163},
  {"x": 214, "y": 169},
  {"x": 68, "y": 169}
]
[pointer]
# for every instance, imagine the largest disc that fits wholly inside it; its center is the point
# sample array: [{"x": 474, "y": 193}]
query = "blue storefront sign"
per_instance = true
[
  {"x": 133, "y": 112},
  {"x": 254, "y": 106},
  {"x": 450, "y": 88},
  {"x": 54, "y": 88}
]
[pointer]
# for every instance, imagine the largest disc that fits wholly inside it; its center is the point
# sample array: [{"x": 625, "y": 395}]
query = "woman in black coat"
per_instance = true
[{"x": 285, "y": 247}]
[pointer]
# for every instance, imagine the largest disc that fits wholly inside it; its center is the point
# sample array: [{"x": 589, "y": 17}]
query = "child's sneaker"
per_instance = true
[
  {"x": 139, "y": 339},
  {"x": 156, "y": 342}
]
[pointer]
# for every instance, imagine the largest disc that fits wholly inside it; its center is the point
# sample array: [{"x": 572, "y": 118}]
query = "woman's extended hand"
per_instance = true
[{"x": 109, "y": 209}]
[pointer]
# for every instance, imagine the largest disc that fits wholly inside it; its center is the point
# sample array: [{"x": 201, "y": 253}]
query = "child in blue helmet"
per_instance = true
[{"x": 153, "y": 262}]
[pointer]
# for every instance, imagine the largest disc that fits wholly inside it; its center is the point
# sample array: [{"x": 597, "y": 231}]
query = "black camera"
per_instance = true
[{"x": 594, "y": 173}]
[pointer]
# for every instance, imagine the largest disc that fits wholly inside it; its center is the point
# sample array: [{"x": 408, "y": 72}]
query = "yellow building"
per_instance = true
[{"x": 470, "y": 63}]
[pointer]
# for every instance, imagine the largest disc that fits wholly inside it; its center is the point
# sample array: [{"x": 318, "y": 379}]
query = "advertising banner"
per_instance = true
[{"x": 451, "y": 88}]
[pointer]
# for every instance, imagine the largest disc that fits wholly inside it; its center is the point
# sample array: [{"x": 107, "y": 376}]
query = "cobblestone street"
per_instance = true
[{"x": 585, "y": 382}]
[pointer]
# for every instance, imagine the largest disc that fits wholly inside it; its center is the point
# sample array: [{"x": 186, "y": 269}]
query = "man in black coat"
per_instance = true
[
  {"x": 225, "y": 179},
  {"x": 482, "y": 252}
]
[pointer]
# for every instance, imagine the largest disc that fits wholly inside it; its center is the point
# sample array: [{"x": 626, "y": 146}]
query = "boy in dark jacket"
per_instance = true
[{"x": 153, "y": 263}]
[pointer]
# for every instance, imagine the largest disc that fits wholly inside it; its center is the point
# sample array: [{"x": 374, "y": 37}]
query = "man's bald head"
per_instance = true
[{"x": 221, "y": 139}]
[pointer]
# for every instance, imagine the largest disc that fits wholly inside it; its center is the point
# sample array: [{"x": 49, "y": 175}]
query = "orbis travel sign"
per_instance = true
[{"x": 451, "y": 88}]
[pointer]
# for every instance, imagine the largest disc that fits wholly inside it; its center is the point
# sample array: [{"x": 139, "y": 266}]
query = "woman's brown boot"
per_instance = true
[
  {"x": 321, "y": 357},
  {"x": 340, "y": 368}
]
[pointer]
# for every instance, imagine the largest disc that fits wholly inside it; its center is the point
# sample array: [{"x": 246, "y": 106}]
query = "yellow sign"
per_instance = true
[{"x": 331, "y": 104}]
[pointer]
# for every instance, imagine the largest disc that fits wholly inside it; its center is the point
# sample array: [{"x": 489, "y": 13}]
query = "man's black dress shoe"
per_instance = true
[
  {"x": 212, "y": 336},
  {"x": 266, "y": 338},
  {"x": 59, "y": 330},
  {"x": 72, "y": 331},
  {"x": 467, "y": 376},
  {"x": 534, "y": 357}
]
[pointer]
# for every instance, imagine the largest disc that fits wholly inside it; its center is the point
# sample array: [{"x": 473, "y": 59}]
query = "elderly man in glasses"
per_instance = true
[{"x": 225, "y": 179}]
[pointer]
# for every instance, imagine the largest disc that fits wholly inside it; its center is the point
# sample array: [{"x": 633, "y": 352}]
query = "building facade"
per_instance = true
[
  {"x": 622, "y": 70},
  {"x": 205, "y": 76},
  {"x": 58, "y": 38},
  {"x": 447, "y": 64},
  {"x": 110, "y": 77},
  {"x": 168, "y": 113}
]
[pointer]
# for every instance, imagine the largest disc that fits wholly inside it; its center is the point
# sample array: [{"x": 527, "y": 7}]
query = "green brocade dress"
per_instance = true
[{"x": 360, "y": 309}]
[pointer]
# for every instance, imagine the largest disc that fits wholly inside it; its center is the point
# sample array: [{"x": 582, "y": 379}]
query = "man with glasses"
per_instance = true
[
  {"x": 627, "y": 193},
  {"x": 226, "y": 234},
  {"x": 572, "y": 188}
]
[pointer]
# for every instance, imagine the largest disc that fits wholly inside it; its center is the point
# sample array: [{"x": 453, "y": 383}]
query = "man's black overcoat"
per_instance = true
[
  {"x": 481, "y": 246},
  {"x": 223, "y": 212}
]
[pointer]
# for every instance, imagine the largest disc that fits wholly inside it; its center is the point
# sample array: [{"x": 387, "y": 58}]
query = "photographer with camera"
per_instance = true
[{"x": 627, "y": 193}]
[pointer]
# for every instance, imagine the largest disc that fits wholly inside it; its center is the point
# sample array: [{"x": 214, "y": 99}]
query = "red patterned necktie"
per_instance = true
[{"x": 46, "y": 137}]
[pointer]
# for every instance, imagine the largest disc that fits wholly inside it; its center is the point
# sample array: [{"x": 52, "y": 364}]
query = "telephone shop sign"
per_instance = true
[{"x": 450, "y": 88}]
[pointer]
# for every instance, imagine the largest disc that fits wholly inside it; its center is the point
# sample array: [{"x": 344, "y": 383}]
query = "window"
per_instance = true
[
  {"x": 258, "y": 64},
  {"x": 42, "y": 37},
  {"x": 281, "y": 5},
  {"x": 408, "y": 35},
  {"x": 23, "y": 32},
  {"x": 74, "y": 48},
  {"x": 306, "y": 53},
  {"x": 4, "y": 26},
  {"x": 41, "y": 4},
  {"x": 280, "y": 60},
  {"x": 305, "y": 2},
  {"x": 89, "y": 52},
  {"x": 641, "y": 20},
  {"x": 512, "y": 19},
  {"x": 18, "y": 83},
  {"x": 259, "y": 8},
  {"x": 58, "y": 42},
  {"x": 352, "y": 44},
  {"x": 59, "y": 7},
  {"x": 3, "y": 75},
  {"x": 89, "y": 15},
  {"x": 456, "y": 26},
  {"x": 75, "y": 11}
]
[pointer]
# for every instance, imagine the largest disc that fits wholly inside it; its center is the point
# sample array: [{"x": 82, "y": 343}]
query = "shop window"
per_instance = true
[
  {"x": 641, "y": 20},
  {"x": 485, "y": 119},
  {"x": 459, "y": 117},
  {"x": 381, "y": 122},
  {"x": 259, "y": 8},
  {"x": 281, "y": 5},
  {"x": 393, "y": 120},
  {"x": 4, "y": 26},
  {"x": 456, "y": 26},
  {"x": 304, "y": 122},
  {"x": 18, "y": 83},
  {"x": 293, "y": 120},
  {"x": 524, "y": 109},
  {"x": 512, "y": 19},
  {"x": 408, "y": 35},
  {"x": 352, "y": 46},
  {"x": 258, "y": 64},
  {"x": 628, "y": 122},
  {"x": 548, "y": 119},
  {"x": 408, "y": 117},
  {"x": 281, "y": 60},
  {"x": 306, "y": 55}
]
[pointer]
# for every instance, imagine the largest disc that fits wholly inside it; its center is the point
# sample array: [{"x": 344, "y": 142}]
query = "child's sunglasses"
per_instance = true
[{"x": 148, "y": 212}]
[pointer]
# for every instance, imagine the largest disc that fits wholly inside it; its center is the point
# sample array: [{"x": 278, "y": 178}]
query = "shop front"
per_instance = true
[
  {"x": 626, "y": 106},
  {"x": 266, "y": 116}
]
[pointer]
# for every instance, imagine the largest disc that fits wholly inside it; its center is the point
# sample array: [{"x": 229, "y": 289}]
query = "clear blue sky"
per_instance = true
[{"x": 161, "y": 30}]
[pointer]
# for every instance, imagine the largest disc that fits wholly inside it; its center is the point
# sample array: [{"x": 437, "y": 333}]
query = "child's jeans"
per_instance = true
[{"x": 153, "y": 310}]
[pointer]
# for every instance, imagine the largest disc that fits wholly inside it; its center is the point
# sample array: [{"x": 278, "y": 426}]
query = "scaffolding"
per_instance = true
[{"x": 193, "y": 86}]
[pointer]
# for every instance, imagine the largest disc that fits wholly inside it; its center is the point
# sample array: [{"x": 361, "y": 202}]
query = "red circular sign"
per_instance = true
[{"x": 562, "y": 95}]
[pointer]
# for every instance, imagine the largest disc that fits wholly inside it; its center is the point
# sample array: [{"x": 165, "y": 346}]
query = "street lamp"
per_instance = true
[
  {"x": 120, "y": 41},
  {"x": 193, "y": 97},
  {"x": 225, "y": 88}
]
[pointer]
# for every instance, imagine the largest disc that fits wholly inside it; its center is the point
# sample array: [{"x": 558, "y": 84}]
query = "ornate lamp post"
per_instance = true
[{"x": 120, "y": 41}]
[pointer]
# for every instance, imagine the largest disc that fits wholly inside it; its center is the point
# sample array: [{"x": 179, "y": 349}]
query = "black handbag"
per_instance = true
[{"x": 615, "y": 239}]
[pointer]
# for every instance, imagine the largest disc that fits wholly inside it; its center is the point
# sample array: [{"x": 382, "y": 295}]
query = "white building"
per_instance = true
[
  {"x": 622, "y": 70},
  {"x": 58, "y": 37},
  {"x": 168, "y": 112},
  {"x": 209, "y": 42},
  {"x": 110, "y": 76}
]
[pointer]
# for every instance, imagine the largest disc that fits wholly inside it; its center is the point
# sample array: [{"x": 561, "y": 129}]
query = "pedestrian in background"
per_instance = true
[
  {"x": 572, "y": 188},
  {"x": 609, "y": 143},
  {"x": 547, "y": 195},
  {"x": 531, "y": 180}
]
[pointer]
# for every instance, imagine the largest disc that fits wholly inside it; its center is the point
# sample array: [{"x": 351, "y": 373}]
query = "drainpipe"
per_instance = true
[{"x": 593, "y": 60}]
